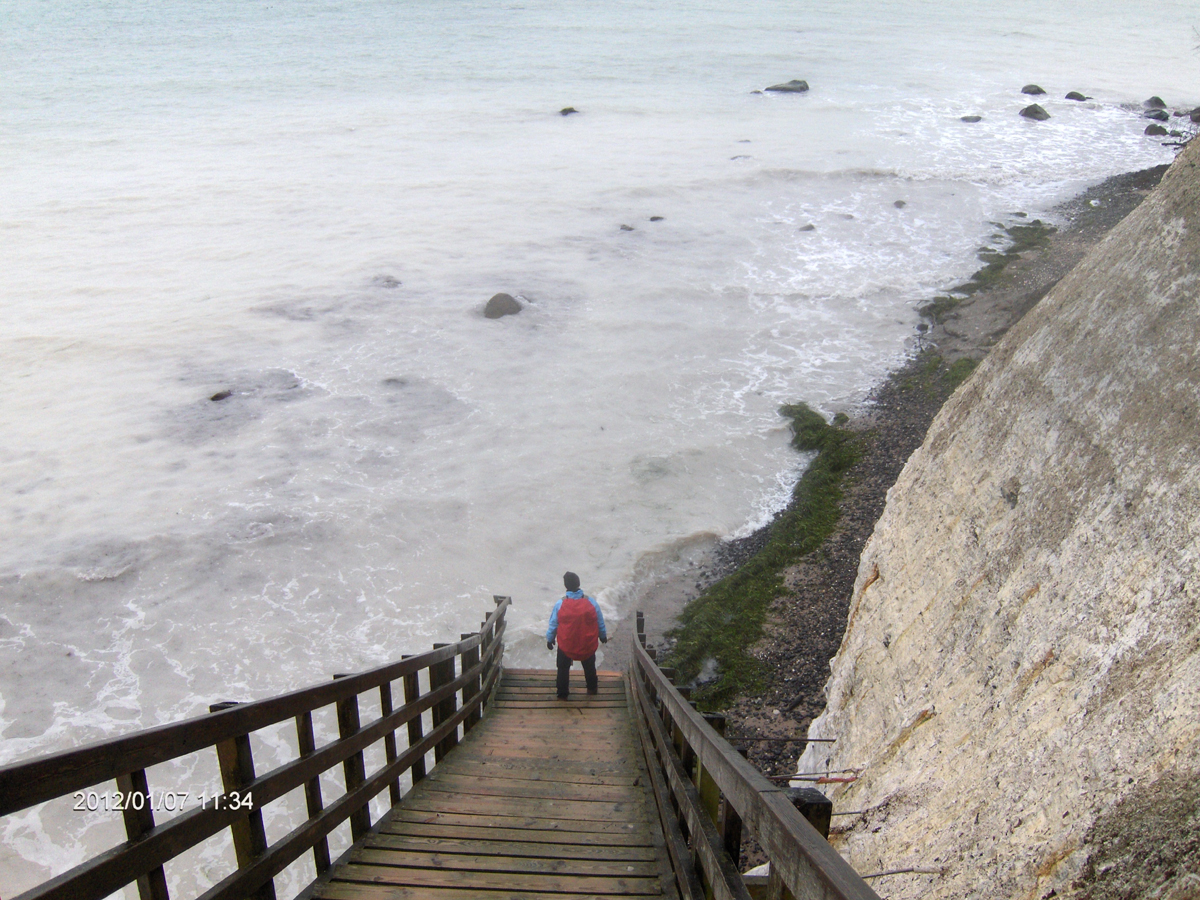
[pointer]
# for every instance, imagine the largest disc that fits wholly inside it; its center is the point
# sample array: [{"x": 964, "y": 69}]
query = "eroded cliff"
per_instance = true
[{"x": 1019, "y": 683}]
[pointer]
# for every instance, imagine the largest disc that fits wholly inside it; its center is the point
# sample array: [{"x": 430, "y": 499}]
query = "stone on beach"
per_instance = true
[
  {"x": 1032, "y": 89},
  {"x": 795, "y": 86},
  {"x": 502, "y": 305},
  {"x": 1035, "y": 112}
]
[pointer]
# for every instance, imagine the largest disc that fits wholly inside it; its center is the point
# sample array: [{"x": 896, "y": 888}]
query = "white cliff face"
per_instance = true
[{"x": 1021, "y": 668}]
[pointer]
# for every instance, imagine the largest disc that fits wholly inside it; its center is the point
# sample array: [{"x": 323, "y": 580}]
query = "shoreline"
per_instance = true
[{"x": 804, "y": 625}]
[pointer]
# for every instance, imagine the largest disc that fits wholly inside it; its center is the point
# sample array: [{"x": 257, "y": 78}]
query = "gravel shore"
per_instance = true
[{"x": 805, "y": 625}]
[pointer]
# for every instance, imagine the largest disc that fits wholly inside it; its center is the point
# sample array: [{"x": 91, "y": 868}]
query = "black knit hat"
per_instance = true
[{"x": 571, "y": 581}]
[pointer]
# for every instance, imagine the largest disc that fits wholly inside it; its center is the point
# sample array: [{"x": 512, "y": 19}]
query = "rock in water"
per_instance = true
[
  {"x": 567, "y": 110},
  {"x": 1155, "y": 130},
  {"x": 221, "y": 395},
  {"x": 1036, "y": 113},
  {"x": 1194, "y": 115},
  {"x": 795, "y": 86},
  {"x": 1075, "y": 95},
  {"x": 502, "y": 305},
  {"x": 627, "y": 228},
  {"x": 1160, "y": 114},
  {"x": 1155, "y": 103},
  {"x": 900, "y": 204},
  {"x": 1032, "y": 89},
  {"x": 970, "y": 118}
]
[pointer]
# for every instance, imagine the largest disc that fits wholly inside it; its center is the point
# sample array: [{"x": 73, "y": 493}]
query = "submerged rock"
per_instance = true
[
  {"x": 809, "y": 227},
  {"x": 1032, "y": 89},
  {"x": 502, "y": 305},
  {"x": 970, "y": 118},
  {"x": 221, "y": 395},
  {"x": 627, "y": 228},
  {"x": 795, "y": 86},
  {"x": 385, "y": 281},
  {"x": 567, "y": 110},
  {"x": 656, "y": 218},
  {"x": 900, "y": 204},
  {"x": 1075, "y": 95},
  {"x": 1035, "y": 112}
]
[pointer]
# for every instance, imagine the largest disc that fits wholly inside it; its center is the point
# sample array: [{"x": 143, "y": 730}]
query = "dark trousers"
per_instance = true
[{"x": 564, "y": 674}]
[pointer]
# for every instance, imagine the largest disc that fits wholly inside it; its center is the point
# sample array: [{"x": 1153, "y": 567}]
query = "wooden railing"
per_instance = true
[
  {"x": 707, "y": 792},
  {"x": 239, "y": 806}
]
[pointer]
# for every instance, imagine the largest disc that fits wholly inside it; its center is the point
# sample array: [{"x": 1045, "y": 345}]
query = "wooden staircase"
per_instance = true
[
  {"x": 627, "y": 793},
  {"x": 545, "y": 798}
]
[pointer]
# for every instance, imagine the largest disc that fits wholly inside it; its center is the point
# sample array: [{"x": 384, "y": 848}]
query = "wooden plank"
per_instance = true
[
  {"x": 530, "y": 849},
  {"x": 349, "y": 891},
  {"x": 591, "y": 810},
  {"x": 517, "y": 822},
  {"x": 509, "y": 881},
  {"x": 520, "y": 774},
  {"x": 490, "y": 862},
  {"x": 521, "y": 768},
  {"x": 541, "y": 790}
]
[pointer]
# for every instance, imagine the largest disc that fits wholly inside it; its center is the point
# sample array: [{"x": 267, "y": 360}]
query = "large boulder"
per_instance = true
[
  {"x": 795, "y": 86},
  {"x": 502, "y": 305},
  {"x": 1155, "y": 103},
  {"x": 1160, "y": 115},
  {"x": 1035, "y": 112},
  {"x": 1032, "y": 89},
  {"x": 1155, "y": 130}
]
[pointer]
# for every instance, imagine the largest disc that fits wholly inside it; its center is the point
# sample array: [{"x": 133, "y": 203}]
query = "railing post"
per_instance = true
[
  {"x": 440, "y": 674},
  {"x": 814, "y": 806},
  {"x": 152, "y": 885},
  {"x": 470, "y": 659},
  {"x": 312, "y": 788},
  {"x": 237, "y": 771},
  {"x": 389, "y": 739},
  {"x": 412, "y": 693},
  {"x": 354, "y": 768},
  {"x": 641, "y": 628}
]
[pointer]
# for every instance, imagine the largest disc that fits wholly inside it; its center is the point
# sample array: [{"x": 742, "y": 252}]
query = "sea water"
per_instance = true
[{"x": 307, "y": 205}]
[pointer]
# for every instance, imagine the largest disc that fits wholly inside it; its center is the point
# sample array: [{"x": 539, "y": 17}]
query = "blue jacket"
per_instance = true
[{"x": 553, "y": 629}]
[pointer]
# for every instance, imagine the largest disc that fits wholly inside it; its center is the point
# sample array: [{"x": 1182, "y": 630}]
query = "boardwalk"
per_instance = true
[{"x": 544, "y": 798}]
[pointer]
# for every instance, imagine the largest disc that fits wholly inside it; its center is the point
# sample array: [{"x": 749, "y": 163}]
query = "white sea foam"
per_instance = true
[{"x": 309, "y": 211}]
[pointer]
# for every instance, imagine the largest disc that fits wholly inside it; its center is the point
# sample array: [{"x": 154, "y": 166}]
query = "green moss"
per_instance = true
[
  {"x": 930, "y": 373},
  {"x": 1019, "y": 239},
  {"x": 958, "y": 372},
  {"x": 726, "y": 620}
]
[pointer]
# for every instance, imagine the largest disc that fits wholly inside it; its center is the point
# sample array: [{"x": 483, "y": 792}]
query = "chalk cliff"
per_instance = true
[{"x": 1019, "y": 682}]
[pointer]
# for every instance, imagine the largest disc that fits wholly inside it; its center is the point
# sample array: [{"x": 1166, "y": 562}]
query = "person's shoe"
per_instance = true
[
  {"x": 564, "y": 696},
  {"x": 596, "y": 691}
]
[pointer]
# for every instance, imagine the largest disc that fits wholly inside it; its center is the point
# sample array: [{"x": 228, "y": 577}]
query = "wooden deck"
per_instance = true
[{"x": 544, "y": 799}]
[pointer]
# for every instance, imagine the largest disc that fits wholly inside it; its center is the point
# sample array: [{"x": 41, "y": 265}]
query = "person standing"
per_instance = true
[{"x": 577, "y": 623}]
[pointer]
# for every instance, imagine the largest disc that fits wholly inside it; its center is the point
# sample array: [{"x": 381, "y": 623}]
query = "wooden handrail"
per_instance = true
[
  {"x": 124, "y": 759},
  {"x": 802, "y": 861}
]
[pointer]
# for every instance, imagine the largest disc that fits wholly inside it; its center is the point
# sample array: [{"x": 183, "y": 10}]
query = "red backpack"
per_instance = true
[{"x": 578, "y": 630}]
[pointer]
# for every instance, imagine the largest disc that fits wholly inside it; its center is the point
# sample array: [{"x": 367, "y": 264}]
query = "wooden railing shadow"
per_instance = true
[
  {"x": 706, "y": 793},
  {"x": 226, "y": 732}
]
